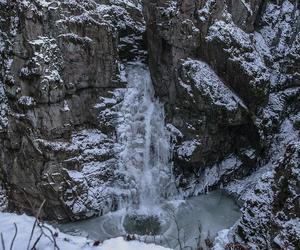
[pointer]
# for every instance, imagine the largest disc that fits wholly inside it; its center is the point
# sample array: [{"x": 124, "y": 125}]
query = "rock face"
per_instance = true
[
  {"x": 228, "y": 72},
  {"x": 216, "y": 64},
  {"x": 271, "y": 214},
  {"x": 60, "y": 62}
]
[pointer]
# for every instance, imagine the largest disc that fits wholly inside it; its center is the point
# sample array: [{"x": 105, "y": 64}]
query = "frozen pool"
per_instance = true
[{"x": 184, "y": 220}]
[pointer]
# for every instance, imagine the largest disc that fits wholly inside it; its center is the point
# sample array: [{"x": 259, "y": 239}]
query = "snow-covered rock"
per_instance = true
[
  {"x": 209, "y": 57},
  {"x": 58, "y": 100}
]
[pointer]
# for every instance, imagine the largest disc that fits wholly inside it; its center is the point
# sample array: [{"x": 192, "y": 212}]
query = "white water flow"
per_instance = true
[
  {"x": 145, "y": 142},
  {"x": 144, "y": 156}
]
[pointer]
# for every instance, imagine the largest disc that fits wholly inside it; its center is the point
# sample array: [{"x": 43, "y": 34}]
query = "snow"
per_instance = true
[
  {"x": 187, "y": 148},
  {"x": 90, "y": 151},
  {"x": 211, "y": 176},
  {"x": 66, "y": 107},
  {"x": 221, "y": 240},
  {"x": 105, "y": 101},
  {"x": 81, "y": 140},
  {"x": 239, "y": 47},
  {"x": 188, "y": 88},
  {"x": 210, "y": 85},
  {"x": 44, "y": 3},
  {"x": 54, "y": 76},
  {"x": 243, "y": 189},
  {"x": 257, "y": 191},
  {"x": 261, "y": 45},
  {"x": 205, "y": 11},
  {"x": 291, "y": 226},
  {"x": 120, "y": 244},
  {"x": 83, "y": 40},
  {"x": 228, "y": 33},
  {"x": 248, "y": 7},
  {"x": 3, "y": 108},
  {"x": 3, "y": 98},
  {"x": 128, "y": 3},
  {"x": 120, "y": 13},
  {"x": 25, "y": 223},
  {"x": 3, "y": 199},
  {"x": 26, "y": 101},
  {"x": 170, "y": 9},
  {"x": 175, "y": 132}
]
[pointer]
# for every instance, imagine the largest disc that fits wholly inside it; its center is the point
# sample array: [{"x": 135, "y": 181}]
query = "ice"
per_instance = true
[
  {"x": 144, "y": 141},
  {"x": 212, "y": 212},
  {"x": 64, "y": 241}
]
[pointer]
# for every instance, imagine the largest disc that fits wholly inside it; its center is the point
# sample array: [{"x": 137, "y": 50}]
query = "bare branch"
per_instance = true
[
  {"x": 2, "y": 241},
  {"x": 35, "y": 223},
  {"x": 52, "y": 235},
  {"x": 37, "y": 240},
  {"x": 14, "y": 238}
]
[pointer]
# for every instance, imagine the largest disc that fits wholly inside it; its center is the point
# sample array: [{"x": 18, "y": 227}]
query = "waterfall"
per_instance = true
[{"x": 145, "y": 142}]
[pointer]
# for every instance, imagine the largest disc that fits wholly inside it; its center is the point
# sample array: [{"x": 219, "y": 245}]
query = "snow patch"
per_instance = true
[
  {"x": 187, "y": 148},
  {"x": 64, "y": 241},
  {"x": 210, "y": 85},
  {"x": 3, "y": 108}
]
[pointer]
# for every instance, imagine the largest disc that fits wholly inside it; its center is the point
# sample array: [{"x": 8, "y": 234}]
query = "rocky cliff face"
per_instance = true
[
  {"x": 59, "y": 65},
  {"x": 228, "y": 72},
  {"x": 218, "y": 65}
]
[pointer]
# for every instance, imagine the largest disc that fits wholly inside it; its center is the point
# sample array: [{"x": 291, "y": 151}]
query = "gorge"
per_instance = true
[{"x": 152, "y": 119}]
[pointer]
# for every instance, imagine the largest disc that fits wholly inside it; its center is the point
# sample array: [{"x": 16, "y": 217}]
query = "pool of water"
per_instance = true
[{"x": 187, "y": 222}]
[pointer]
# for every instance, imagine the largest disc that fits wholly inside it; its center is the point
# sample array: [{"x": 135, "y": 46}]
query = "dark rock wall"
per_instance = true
[
  {"x": 247, "y": 46},
  {"x": 57, "y": 59},
  {"x": 228, "y": 72}
]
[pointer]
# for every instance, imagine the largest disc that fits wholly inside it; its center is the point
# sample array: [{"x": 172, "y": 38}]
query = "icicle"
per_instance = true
[{"x": 144, "y": 138}]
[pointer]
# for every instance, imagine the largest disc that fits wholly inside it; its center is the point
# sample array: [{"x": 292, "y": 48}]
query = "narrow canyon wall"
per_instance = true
[
  {"x": 217, "y": 65},
  {"x": 228, "y": 72},
  {"x": 59, "y": 64}
]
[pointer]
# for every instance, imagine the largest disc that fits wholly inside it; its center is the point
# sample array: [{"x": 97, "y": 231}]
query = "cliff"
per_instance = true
[{"x": 228, "y": 72}]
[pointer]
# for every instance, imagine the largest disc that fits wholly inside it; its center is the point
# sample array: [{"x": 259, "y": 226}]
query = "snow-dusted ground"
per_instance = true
[{"x": 25, "y": 223}]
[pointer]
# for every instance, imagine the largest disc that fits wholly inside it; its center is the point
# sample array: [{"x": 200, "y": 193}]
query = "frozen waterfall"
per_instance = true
[
  {"x": 144, "y": 149},
  {"x": 145, "y": 142}
]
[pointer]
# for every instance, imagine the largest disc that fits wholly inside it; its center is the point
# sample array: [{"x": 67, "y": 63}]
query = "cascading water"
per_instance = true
[
  {"x": 145, "y": 142},
  {"x": 144, "y": 149}
]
